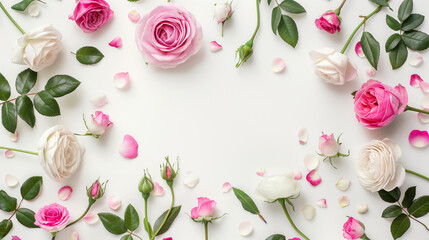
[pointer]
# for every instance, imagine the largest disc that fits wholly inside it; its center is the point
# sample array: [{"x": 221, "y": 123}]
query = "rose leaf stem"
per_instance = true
[
  {"x": 11, "y": 18},
  {"x": 338, "y": 10},
  {"x": 417, "y": 174},
  {"x": 19, "y": 150},
  {"x": 282, "y": 203},
  {"x": 135, "y": 235},
  {"x": 170, "y": 184},
  {"x": 360, "y": 25},
  {"x": 91, "y": 202},
  {"x": 408, "y": 108},
  {"x": 206, "y": 230},
  {"x": 13, "y": 99},
  {"x": 257, "y": 22},
  {"x": 411, "y": 216},
  {"x": 14, "y": 212}
]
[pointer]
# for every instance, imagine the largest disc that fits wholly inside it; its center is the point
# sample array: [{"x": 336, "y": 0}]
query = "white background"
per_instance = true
[{"x": 223, "y": 122}]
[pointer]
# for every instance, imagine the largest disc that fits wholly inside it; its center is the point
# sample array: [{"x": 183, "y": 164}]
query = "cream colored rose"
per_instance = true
[
  {"x": 377, "y": 167},
  {"x": 277, "y": 186},
  {"x": 39, "y": 48},
  {"x": 60, "y": 153},
  {"x": 333, "y": 67}
]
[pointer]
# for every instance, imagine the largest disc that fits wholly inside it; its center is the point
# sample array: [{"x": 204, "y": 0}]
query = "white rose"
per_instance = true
[
  {"x": 39, "y": 48},
  {"x": 222, "y": 11},
  {"x": 277, "y": 186},
  {"x": 377, "y": 166},
  {"x": 333, "y": 67},
  {"x": 60, "y": 153}
]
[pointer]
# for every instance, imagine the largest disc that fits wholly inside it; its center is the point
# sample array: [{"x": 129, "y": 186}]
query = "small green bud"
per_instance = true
[
  {"x": 244, "y": 53},
  {"x": 146, "y": 185}
]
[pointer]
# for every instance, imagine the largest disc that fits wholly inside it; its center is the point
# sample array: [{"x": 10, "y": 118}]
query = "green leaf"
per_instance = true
[
  {"x": 246, "y": 201},
  {"x": 288, "y": 30},
  {"x": 25, "y": 110},
  {"x": 25, "y": 81},
  {"x": 61, "y": 85},
  {"x": 9, "y": 116},
  {"x": 269, "y": 2},
  {"x": 399, "y": 226},
  {"x": 46, "y": 105},
  {"x": 4, "y": 88},
  {"x": 89, "y": 55},
  {"x": 26, "y": 217},
  {"x": 276, "y": 16},
  {"x": 127, "y": 237},
  {"x": 392, "y": 23},
  {"x": 170, "y": 219},
  {"x": 292, "y": 6},
  {"x": 380, "y": 2},
  {"x": 5, "y": 227},
  {"x": 405, "y": 10},
  {"x": 398, "y": 56},
  {"x": 412, "y": 22},
  {"x": 392, "y": 42},
  {"x": 391, "y": 212},
  {"x": 409, "y": 196},
  {"x": 419, "y": 207},
  {"x": 276, "y": 237},
  {"x": 131, "y": 218},
  {"x": 113, "y": 223},
  {"x": 7, "y": 203},
  {"x": 31, "y": 187},
  {"x": 390, "y": 197},
  {"x": 371, "y": 48},
  {"x": 416, "y": 40},
  {"x": 21, "y": 6}
]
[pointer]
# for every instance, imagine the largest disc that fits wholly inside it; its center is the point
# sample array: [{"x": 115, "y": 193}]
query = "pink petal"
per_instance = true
[
  {"x": 415, "y": 80},
  {"x": 313, "y": 177},
  {"x": 415, "y": 59},
  {"x": 358, "y": 50},
  {"x": 322, "y": 203},
  {"x": 226, "y": 187},
  {"x": 424, "y": 86},
  {"x": 114, "y": 203},
  {"x": 260, "y": 172},
  {"x": 308, "y": 211},
  {"x": 64, "y": 193},
  {"x": 371, "y": 71},
  {"x": 129, "y": 147},
  {"x": 245, "y": 228},
  {"x": 11, "y": 181},
  {"x": 13, "y": 137},
  {"x": 295, "y": 238},
  {"x": 75, "y": 236},
  {"x": 116, "y": 42},
  {"x": 121, "y": 80},
  {"x": 278, "y": 65},
  {"x": 425, "y": 102},
  {"x": 134, "y": 16},
  {"x": 344, "y": 201},
  {"x": 157, "y": 190},
  {"x": 311, "y": 161},
  {"x": 215, "y": 47},
  {"x": 303, "y": 136},
  {"x": 419, "y": 139},
  {"x": 99, "y": 100},
  {"x": 424, "y": 118},
  {"x": 9, "y": 154},
  {"x": 297, "y": 175},
  {"x": 91, "y": 218}
]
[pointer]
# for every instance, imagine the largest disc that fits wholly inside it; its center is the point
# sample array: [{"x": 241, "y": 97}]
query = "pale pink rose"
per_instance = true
[
  {"x": 328, "y": 145},
  {"x": 90, "y": 15},
  {"x": 52, "y": 218},
  {"x": 99, "y": 123},
  {"x": 329, "y": 22},
  {"x": 377, "y": 104},
  {"x": 168, "y": 36},
  {"x": 353, "y": 229},
  {"x": 204, "y": 210}
]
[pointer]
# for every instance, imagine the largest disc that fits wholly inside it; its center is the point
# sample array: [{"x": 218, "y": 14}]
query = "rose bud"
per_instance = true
[
  {"x": 167, "y": 171},
  {"x": 146, "y": 185},
  {"x": 98, "y": 124},
  {"x": 329, "y": 22},
  {"x": 244, "y": 53},
  {"x": 328, "y": 145},
  {"x": 354, "y": 229},
  {"x": 222, "y": 11},
  {"x": 96, "y": 191}
]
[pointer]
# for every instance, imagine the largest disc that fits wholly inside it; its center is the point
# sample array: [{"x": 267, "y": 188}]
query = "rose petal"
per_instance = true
[
  {"x": 371, "y": 71},
  {"x": 278, "y": 65},
  {"x": 343, "y": 184},
  {"x": 11, "y": 181},
  {"x": 308, "y": 211},
  {"x": 260, "y": 172},
  {"x": 362, "y": 208},
  {"x": 358, "y": 50},
  {"x": 191, "y": 180},
  {"x": 313, "y": 177},
  {"x": 245, "y": 228},
  {"x": 33, "y": 9},
  {"x": 344, "y": 201},
  {"x": 303, "y": 136},
  {"x": 418, "y": 139},
  {"x": 157, "y": 189},
  {"x": 297, "y": 175},
  {"x": 121, "y": 80},
  {"x": 134, "y": 16},
  {"x": 415, "y": 59},
  {"x": 13, "y": 137},
  {"x": 64, "y": 193},
  {"x": 226, "y": 187},
  {"x": 424, "y": 118},
  {"x": 415, "y": 80},
  {"x": 215, "y": 47},
  {"x": 424, "y": 86},
  {"x": 114, "y": 203},
  {"x": 311, "y": 161},
  {"x": 75, "y": 236},
  {"x": 321, "y": 203},
  {"x": 129, "y": 147},
  {"x": 116, "y": 42},
  {"x": 425, "y": 102},
  {"x": 91, "y": 218},
  {"x": 99, "y": 100},
  {"x": 9, "y": 154}
]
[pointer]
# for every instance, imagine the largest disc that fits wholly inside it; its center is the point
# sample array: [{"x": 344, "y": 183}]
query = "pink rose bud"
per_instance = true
[
  {"x": 96, "y": 191},
  {"x": 328, "y": 145},
  {"x": 353, "y": 229},
  {"x": 204, "y": 210},
  {"x": 95, "y": 188},
  {"x": 90, "y": 15},
  {"x": 99, "y": 123},
  {"x": 222, "y": 11},
  {"x": 52, "y": 218},
  {"x": 168, "y": 173},
  {"x": 329, "y": 22}
]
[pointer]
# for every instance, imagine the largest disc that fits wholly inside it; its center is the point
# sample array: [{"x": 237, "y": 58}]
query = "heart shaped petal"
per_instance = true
[
  {"x": 134, "y": 16},
  {"x": 415, "y": 59},
  {"x": 303, "y": 136},
  {"x": 116, "y": 42},
  {"x": 91, "y": 218},
  {"x": 308, "y": 211},
  {"x": 9, "y": 154},
  {"x": 297, "y": 175},
  {"x": 33, "y": 9},
  {"x": 278, "y": 65},
  {"x": 321, "y": 203},
  {"x": 424, "y": 86},
  {"x": 344, "y": 201},
  {"x": 425, "y": 102},
  {"x": 157, "y": 189},
  {"x": 415, "y": 80},
  {"x": 260, "y": 172},
  {"x": 313, "y": 177},
  {"x": 129, "y": 147},
  {"x": 362, "y": 208},
  {"x": 343, "y": 184},
  {"x": 75, "y": 236},
  {"x": 64, "y": 193},
  {"x": 114, "y": 202},
  {"x": 419, "y": 139},
  {"x": 11, "y": 181},
  {"x": 371, "y": 71},
  {"x": 424, "y": 118},
  {"x": 358, "y": 50},
  {"x": 215, "y": 47},
  {"x": 121, "y": 80},
  {"x": 99, "y": 100},
  {"x": 191, "y": 180},
  {"x": 13, "y": 137},
  {"x": 226, "y": 187},
  {"x": 311, "y": 161},
  {"x": 245, "y": 228}
]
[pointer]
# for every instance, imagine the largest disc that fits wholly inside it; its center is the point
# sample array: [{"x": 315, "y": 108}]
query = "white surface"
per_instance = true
[{"x": 223, "y": 122}]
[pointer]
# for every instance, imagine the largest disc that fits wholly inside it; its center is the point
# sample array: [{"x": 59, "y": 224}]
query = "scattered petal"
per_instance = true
[
  {"x": 415, "y": 80},
  {"x": 215, "y": 47},
  {"x": 308, "y": 211},
  {"x": 33, "y": 9},
  {"x": 303, "y": 136},
  {"x": 64, "y": 193},
  {"x": 129, "y": 147},
  {"x": 371, "y": 71},
  {"x": 121, "y": 80},
  {"x": 134, "y": 16},
  {"x": 362, "y": 208},
  {"x": 425, "y": 102},
  {"x": 245, "y": 228},
  {"x": 424, "y": 118},
  {"x": 74, "y": 236},
  {"x": 11, "y": 181},
  {"x": 295, "y": 238},
  {"x": 9, "y": 154},
  {"x": 311, "y": 161},
  {"x": 260, "y": 172},
  {"x": 343, "y": 184},
  {"x": 313, "y": 177},
  {"x": 278, "y": 65},
  {"x": 424, "y": 86},
  {"x": 321, "y": 203},
  {"x": 297, "y": 175},
  {"x": 157, "y": 189},
  {"x": 419, "y": 139},
  {"x": 116, "y": 42},
  {"x": 191, "y": 180},
  {"x": 114, "y": 203},
  {"x": 358, "y": 50},
  {"x": 226, "y": 187},
  {"x": 91, "y": 218},
  {"x": 99, "y": 100},
  {"x": 344, "y": 201},
  {"x": 13, "y": 137},
  {"x": 415, "y": 59}
]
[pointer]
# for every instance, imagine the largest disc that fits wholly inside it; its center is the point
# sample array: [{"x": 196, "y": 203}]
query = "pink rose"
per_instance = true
[
  {"x": 377, "y": 104},
  {"x": 15, "y": 238},
  {"x": 99, "y": 123},
  {"x": 52, "y": 218},
  {"x": 353, "y": 229},
  {"x": 168, "y": 36},
  {"x": 329, "y": 22},
  {"x": 90, "y": 15},
  {"x": 328, "y": 145},
  {"x": 204, "y": 210}
]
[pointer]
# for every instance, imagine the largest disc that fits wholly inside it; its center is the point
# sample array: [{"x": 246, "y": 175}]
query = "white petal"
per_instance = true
[
  {"x": 260, "y": 172},
  {"x": 321, "y": 203},
  {"x": 303, "y": 136},
  {"x": 226, "y": 187},
  {"x": 11, "y": 180},
  {"x": 114, "y": 203},
  {"x": 91, "y": 218},
  {"x": 9, "y": 154},
  {"x": 343, "y": 184},
  {"x": 311, "y": 161},
  {"x": 245, "y": 228},
  {"x": 99, "y": 100},
  {"x": 415, "y": 59},
  {"x": 344, "y": 201},
  {"x": 425, "y": 102},
  {"x": 64, "y": 193},
  {"x": 75, "y": 236},
  {"x": 278, "y": 65},
  {"x": 308, "y": 211},
  {"x": 371, "y": 71},
  {"x": 362, "y": 208},
  {"x": 191, "y": 180},
  {"x": 424, "y": 86},
  {"x": 424, "y": 118},
  {"x": 33, "y": 10},
  {"x": 121, "y": 80},
  {"x": 13, "y": 137}
]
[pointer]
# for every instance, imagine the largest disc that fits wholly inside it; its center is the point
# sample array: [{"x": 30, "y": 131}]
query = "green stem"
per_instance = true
[
  {"x": 149, "y": 231},
  {"x": 282, "y": 203},
  {"x": 13, "y": 99},
  {"x": 360, "y": 25},
  {"x": 222, "y": 28},
  {"x": 11, "y": 19},
  {"x": 206, "y": 230},
  {"x": 83, "y": 135},
  {"x": 417, "y": 174},
  {"x": 258, "y": 21},
  {"x": 14, "y": 212},
  {"x": 131, "y": 233},
  {"x": 19, "y": 150},
  {"x": 338, "y": 10},
  {"x": 408, "y": 108},
  {"x": 168, "y": 213},
  {"x": 91, "y": 202}
]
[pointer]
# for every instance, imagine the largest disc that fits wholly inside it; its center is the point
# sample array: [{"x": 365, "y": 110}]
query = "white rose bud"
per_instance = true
[
  {"x": 277, "y": 186},
  {"x": 222, "y": 11}
]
